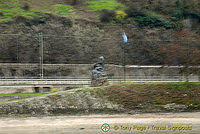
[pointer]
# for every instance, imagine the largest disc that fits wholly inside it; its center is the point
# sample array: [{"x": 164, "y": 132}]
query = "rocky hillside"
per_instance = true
[{"x": 80, "y": 31}]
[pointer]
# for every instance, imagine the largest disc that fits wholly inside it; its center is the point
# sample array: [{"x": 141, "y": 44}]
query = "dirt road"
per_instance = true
[{"x": 187, "y": 123}]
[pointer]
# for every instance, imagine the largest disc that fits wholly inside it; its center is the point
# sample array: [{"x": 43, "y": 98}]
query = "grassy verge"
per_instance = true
[
  {"x": 10, "y": 9},
  {"x": 23, "y": 94},
  {"x": 157, "y": 83},
  {"x": 26, "y": 96},
  {"x": 103, "y": 4},
  {"x": 2, "y": 103},
  {"x": 63, "y": 10}
]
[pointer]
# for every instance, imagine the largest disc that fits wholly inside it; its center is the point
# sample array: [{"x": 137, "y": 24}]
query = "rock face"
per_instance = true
[
  {"x": 67, "y": 102},
  {"x": 99, "y": 77}
]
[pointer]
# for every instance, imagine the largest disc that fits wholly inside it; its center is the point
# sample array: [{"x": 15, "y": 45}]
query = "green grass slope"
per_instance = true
[
  {"x": 30, "y": 9},
  {"x": 9, "y": 9},
  {"x": 103, "y": 4}
]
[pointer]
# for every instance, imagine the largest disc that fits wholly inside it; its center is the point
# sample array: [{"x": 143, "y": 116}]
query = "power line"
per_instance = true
[{"x": 84, "y": 37}]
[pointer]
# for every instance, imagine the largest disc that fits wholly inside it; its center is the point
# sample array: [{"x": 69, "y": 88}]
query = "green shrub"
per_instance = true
[
  {"x": 178, "y": 26},
  {"x": 107, "y": 15},
  {"x": 154, "y": 21},
  {"x": 1, "y": 13},
  {"x": 54, "y": 90},
  {"x": 178, "y": 3},
  {"x": 28, "y": 23},
  {"x": 174, "y": 19},
  {"x": 185, "y": 13},
  {"x": 40, "y": 20},
  {"x": 148, "y": 18},
  {"x": 180, "y": 13},
  {"x": 198, "y": 31},
  {"x": 195, "y": 16},
  {"x": 120, "y": 16},
  {"x": 35, "y": 21},
  {"x": 186, "y": 9},
  {"x": 67, "y": 22},
  {"x": 177, "y": 13}
]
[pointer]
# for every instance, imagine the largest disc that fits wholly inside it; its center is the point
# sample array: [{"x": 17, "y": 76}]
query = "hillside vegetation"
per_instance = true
[
  {"x": 157, "y": 30},
  {"x": 146, "y": 12},
  {"x": 30, "y": 9}
]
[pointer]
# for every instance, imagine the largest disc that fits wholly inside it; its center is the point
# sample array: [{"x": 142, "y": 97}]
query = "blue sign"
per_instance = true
[{"x": 125, "y": 38}]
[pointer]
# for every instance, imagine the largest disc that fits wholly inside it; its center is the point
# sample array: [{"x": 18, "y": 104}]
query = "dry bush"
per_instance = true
[{"x": 1, "y": 13}]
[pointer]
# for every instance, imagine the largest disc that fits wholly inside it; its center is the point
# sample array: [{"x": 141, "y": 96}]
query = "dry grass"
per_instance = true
[{"x": 133, "y": 96}]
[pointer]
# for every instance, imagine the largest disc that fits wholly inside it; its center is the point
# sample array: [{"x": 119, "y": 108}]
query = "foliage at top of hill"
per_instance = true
[
  {"x": 9, "y": 9},
  {"x": 151, "y": 13},
  {"x": 156, "y": 13},
  {"x": 104, "y": 4}
]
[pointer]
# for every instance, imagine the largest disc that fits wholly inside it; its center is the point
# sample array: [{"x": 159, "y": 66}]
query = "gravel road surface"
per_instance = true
[{"x": 166, "y": 123}]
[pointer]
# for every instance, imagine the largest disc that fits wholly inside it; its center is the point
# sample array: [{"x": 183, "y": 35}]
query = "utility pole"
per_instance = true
[
  {"x": 41, "y": 55},
  {"x": 18, "y": 49}
]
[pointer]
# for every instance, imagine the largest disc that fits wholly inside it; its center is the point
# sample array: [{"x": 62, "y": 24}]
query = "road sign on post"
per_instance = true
[{"x": 124, "y": 61}]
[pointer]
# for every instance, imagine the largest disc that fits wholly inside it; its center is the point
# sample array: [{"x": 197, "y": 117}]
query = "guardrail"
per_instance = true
[
  {"x": 85, "y": 81},
  {"x": 115, "y": 78},
  {"x": 110, "y": 77}
]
